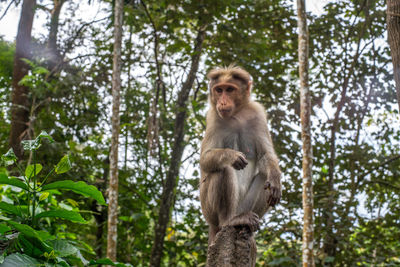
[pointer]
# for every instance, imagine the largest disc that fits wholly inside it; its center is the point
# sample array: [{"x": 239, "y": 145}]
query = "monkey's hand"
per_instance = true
[
  {"x": 239, "y": 160},
  {"x": 273, "y": 184}
]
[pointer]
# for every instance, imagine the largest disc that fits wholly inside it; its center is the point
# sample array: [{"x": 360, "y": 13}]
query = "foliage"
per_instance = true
[{"x": 29, "y": 210}]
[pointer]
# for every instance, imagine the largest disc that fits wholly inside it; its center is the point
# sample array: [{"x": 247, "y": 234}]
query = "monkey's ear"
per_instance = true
[{"x": 249, "y": 87}]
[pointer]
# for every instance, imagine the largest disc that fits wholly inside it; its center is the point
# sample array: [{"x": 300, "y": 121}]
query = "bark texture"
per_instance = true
[
  {"x": 233, "y": 247},
  {"x": 168, "y": 193},
  {"x": 115, "y": 121},
  {"x": 393, "y": 28},
  {"x": 19, "y": 97},
  {"x": 305, "y": 113}
]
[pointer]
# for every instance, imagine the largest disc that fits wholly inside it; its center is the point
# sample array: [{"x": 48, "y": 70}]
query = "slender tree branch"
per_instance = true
[
  {"x": 361, "y": 177},
  {"x": 8, "y": 7},
  {"x": 160, "y": 83}
]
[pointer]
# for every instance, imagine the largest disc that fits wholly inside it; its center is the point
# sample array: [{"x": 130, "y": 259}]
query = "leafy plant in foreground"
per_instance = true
[{"x": 26, "y": 238}]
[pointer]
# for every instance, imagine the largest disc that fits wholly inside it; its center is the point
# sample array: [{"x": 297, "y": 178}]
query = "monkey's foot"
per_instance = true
[{"x": 249, "y": 219}]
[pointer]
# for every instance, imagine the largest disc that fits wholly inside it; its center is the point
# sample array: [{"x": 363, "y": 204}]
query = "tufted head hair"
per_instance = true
[{"x": 230, "y": 74}]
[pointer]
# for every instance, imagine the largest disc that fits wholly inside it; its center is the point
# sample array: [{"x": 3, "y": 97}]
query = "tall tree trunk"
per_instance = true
[
  {"x": 20, "y": 102},
  {"x": 393, "y": 28},
  {"x": 167, "y": 196},
  {"x": 115, "y": 121},
  {"x": 305, "y": 113},
  {"x": 52, "y": 49}
]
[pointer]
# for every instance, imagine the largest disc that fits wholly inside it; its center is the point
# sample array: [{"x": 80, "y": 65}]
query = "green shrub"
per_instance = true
[{"x": 29, "y": 209}]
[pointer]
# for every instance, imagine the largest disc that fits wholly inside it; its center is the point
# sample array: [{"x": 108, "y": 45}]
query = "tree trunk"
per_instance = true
[
  {"x": 20, "y": 101},
  {"x": 168, "y": 193},
  {"x": 393, "y": 28},
  {"x": 52, "y": 49},
  {"x": 305, "y": 113},
  {"x": 115, "y": 121},
  {"x": 233, "y": 247}
]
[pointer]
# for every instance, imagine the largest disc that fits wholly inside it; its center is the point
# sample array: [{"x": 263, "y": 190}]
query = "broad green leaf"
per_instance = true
[
  {"x": 64, "y": 165},
  {"x": 4, "y": 228},
  {"x": 33, "y": 170},
  {"x": 72, "y": 216},
  {"x": 80, "y": 256},
  {"x": 10, "y": 208},
  {"x": 30, "y": 232},
  {"x": 44, "y": 195},
  {"x": 63, "y": 248},
  {"x": 78, "y": 187},
  {"x": 30, "y": 145},
  {"x": 20, "y": 260},
  {"x": 9, "y": 158},
  {"x": 32, "y": 246},
  {"x": 4, "y": 179},
  {"x": 42, "y": 135}
]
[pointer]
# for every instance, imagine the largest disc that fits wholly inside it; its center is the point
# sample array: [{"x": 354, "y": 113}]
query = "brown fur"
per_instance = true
[{"x": 240, "y": 176}]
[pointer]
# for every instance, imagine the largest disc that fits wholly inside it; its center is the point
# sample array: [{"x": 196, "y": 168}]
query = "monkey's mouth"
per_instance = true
[{"x": 224, "y": 113}]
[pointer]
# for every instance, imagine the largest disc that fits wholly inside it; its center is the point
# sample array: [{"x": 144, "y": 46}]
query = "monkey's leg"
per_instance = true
[
  {"x": 244, "y": 212},
  {"x": 219, "y": 196},
  {"x": 222, "y": 196},
  {"x": 252, "y": 195}
]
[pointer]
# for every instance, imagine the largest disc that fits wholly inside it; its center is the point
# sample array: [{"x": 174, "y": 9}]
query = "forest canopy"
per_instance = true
[{"x": 65, "y": 106}]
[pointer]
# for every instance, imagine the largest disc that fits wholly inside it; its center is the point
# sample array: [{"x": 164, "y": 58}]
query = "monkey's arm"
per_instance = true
[
  {"x": 268, "y": 165},
  {"x": 216, "y": 159},
  {"x": 270, "y": 170}
]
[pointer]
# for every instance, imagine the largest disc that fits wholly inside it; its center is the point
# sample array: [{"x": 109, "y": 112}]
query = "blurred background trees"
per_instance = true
[{"x": 355, "y": 132}]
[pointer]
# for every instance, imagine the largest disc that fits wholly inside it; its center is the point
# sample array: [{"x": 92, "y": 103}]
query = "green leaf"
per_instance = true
[
  {"x": 42, "y": 135},
  {"x": 30, "y": 232},
  {"x": 12, "y": 181},
  {"x": 329, "y": 259},
  {"x": 30, "y": 145},
  {"x": 9, "y": 158},
  {"x": 32, "y": 246},
  {"x": 10, "y": 208},
  {"x": 44, "y": 195},
  {"x": 63, "y": 248},
  {"x": 78, "y": 187},
  {"x": 72, "y": 216},
  {"x": 4, "y": 228},
  {"x": 32, "y": 170},
  {"x": 64, "y": 165},
  {"x": 20, "y": 260}
]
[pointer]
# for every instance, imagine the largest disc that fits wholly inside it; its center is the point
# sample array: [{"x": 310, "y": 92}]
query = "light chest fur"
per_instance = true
[{"x": 241, "y": 139}]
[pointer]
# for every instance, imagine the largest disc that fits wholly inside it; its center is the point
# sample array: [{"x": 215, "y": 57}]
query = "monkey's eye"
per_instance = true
[
  {"x": 218, "y": 90},
  {"x": 230, "y": 89}
]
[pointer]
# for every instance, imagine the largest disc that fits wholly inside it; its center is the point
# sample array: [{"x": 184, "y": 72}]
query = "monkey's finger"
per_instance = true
[
  {"x": 237, "y": 165},
  {"x": 277, "y": 196},
  {"x": 274, "y": 197},
  {"x": 243, "y": 160},
  {"x": 273, "y": 202},
  {"x": 267, "y": 185}
]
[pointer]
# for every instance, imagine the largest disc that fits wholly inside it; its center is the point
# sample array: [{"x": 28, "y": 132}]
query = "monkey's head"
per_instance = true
[{"x": 229, "y": 90}]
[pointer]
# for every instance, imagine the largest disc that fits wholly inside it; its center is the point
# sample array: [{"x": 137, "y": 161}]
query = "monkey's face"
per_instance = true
[{"x": 226, "y": 97}]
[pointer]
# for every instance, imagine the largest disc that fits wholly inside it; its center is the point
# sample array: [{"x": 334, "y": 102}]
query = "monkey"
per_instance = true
[{"x": 240, "y": 176}]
